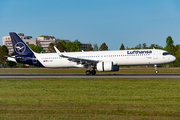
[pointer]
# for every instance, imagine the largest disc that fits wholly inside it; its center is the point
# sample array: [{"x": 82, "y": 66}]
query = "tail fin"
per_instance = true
[{"x": 20, "y": 48}]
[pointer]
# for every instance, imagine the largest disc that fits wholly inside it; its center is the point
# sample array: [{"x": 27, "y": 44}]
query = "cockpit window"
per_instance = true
[{"x": 166, "y": 53}]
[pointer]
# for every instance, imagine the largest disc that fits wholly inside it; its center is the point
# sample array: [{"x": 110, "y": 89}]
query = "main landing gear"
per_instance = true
[
  {"x": 88, "y": 72},
  {"x": 156, "y": 71}
]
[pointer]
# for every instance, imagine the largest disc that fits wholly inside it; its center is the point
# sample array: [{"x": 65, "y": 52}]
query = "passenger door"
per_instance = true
[{"x": 155, "y": 54}]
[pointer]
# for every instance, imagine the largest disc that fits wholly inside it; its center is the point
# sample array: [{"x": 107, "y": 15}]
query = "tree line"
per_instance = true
[
  {"x": 75, "y": 46},
  {"x": 62, "y": 46}
]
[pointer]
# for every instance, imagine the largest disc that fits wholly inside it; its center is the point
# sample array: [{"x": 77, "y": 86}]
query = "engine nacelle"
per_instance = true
[{"x": 106, "y": 66}]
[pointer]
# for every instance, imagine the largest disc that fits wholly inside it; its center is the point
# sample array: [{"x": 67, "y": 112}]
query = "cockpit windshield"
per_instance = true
[{"x": 166, "y": 53}]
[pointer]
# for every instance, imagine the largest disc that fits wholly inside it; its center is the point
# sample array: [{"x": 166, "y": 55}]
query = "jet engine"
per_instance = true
[{"x": 106, "y": 66}]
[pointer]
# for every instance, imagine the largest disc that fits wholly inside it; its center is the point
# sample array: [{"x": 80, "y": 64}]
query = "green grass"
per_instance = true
[
  {"x": 90, "y": 99},
  {"x": 82, "y": 71}
]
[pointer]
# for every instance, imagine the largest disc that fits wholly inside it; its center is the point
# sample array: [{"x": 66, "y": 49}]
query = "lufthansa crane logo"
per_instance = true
[{"x": 20, "y": 47}]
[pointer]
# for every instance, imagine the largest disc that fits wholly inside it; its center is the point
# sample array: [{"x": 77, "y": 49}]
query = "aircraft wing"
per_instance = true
[
  {"x": 81, "y": 60},
  {"x": 76, "y": 59}
]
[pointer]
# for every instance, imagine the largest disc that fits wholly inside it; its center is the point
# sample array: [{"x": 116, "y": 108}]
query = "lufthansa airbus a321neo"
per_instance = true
[{"x": 98, "y": 60}]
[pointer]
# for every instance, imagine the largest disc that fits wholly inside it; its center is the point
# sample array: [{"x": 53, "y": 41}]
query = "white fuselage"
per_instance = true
[{"x": 119, "y": 57}]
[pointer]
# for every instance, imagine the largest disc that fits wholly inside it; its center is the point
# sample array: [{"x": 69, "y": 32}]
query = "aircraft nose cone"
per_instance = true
[{"x": 173, "y": 58}]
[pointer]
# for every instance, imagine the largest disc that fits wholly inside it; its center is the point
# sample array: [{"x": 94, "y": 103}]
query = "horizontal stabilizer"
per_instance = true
[{"x": 11, "y": 58}]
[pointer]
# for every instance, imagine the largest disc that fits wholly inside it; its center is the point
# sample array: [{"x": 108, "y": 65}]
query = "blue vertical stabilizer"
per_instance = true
[
  {"x": 23, "y": 54},
  {"x": 20, "y": 48}
]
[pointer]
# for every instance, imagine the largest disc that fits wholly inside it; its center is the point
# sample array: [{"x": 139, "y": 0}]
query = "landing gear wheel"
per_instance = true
[
  {"x": 156, "y": 71},
  {"x": 88, "y": 72},
  {"x": 93, "y": 72}
]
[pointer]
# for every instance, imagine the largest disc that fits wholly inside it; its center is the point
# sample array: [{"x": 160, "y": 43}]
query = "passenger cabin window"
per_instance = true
[{"x": 166, "y": 53}]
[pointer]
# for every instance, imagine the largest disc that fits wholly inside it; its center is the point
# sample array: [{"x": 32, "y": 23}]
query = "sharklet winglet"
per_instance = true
[{"x": 58, "y": 52}]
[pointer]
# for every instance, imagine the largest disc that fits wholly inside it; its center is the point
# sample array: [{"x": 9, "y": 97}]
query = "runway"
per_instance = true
[{"x": 136, "y": 76}]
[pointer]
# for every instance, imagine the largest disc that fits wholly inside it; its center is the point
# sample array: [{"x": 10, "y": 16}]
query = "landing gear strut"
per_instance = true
[{"x": 156, "y": 71}]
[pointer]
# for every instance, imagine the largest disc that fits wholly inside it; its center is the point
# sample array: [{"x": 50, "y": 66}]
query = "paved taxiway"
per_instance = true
[{"x": 90, "y": 76}]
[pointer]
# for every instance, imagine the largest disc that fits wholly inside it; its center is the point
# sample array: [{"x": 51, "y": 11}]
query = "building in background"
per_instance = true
[
  {"x": 44, "y": 41},
  {"x": 27, "y": 39},
  {"x": 84, "y": 46}
]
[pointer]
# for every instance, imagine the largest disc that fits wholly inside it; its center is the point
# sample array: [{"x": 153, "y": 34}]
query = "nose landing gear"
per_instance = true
[{"x": 156, "y": 71}]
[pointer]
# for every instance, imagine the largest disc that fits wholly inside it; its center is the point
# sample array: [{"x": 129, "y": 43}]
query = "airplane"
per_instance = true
[{"x": 97, "y": 60}]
